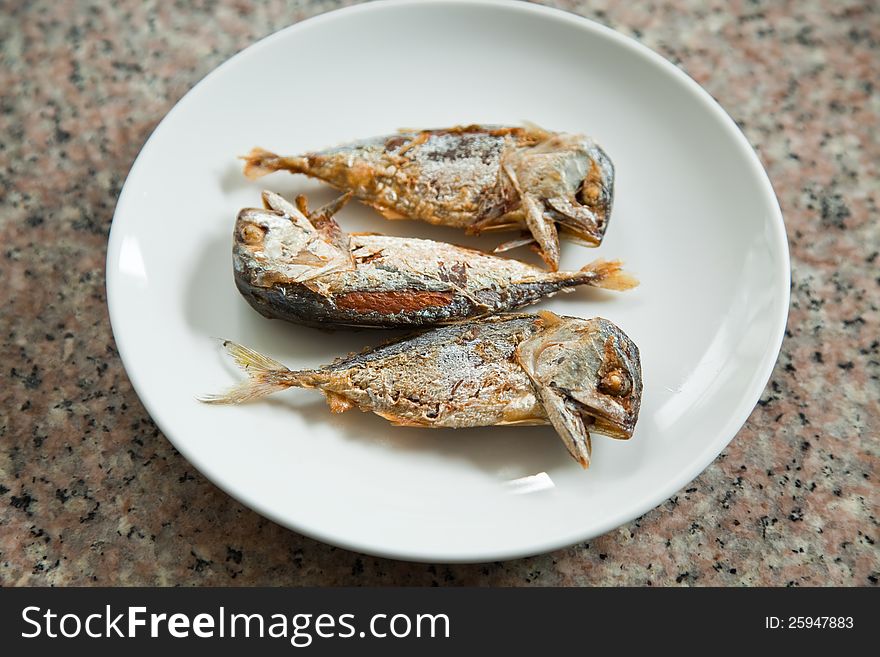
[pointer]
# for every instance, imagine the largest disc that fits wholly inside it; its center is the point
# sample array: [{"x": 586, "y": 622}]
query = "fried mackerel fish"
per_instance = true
[
  {"x": 580, "y": 376},
  {"x": 301, "y": 267},
  {"x": 475, "y": 177}
]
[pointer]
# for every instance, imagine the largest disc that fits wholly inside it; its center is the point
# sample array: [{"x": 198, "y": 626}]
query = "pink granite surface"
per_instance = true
[{"x": 91, "y": 492}]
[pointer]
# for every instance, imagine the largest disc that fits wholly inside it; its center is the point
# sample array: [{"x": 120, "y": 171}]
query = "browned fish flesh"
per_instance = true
[
  {"x": 302, "y": 267},
  {"x": 474, "y": 177},
  {"x": 581, "y": 376}
]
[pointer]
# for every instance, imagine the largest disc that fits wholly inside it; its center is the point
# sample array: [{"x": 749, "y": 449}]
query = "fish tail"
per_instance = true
[
  {"x": 265, "y": 376},
  {"x": 260, "y": 162},
  {"x": 608, "y": 274}
]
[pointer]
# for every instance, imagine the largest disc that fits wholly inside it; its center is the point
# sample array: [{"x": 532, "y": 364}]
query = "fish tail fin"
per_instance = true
[
  {"x": 608, "y": 275},
  {"x": 265, "y": 376},
  {"x": 260, "y": 162}
]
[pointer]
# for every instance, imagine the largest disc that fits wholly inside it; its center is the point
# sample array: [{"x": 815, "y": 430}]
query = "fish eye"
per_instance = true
[
  {"x": 615, "y": 383},
  {"x": 252, "y": 234},
  {"x": 590, "y": 191}
]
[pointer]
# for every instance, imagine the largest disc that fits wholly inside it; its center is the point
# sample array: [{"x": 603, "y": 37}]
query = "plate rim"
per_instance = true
[{"x": 690, "y": 471}]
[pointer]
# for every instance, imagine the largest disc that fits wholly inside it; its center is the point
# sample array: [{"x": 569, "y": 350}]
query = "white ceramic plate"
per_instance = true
[{"x": 694, "y": 217}]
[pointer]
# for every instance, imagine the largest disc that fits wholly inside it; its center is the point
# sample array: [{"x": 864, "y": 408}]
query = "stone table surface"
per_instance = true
[{"x": 91, "y": 492}]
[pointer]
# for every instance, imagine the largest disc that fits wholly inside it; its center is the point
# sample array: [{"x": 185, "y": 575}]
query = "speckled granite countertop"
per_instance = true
[{"x": 90, "y": 492}]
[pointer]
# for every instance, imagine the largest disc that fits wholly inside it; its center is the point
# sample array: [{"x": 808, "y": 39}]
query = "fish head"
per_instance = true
[
  {"x": 595, "y": 190},
  {"x": 574, "y": 178},
  {"x": 589, "y": 367},
  {"x": 281, "y": 243},
  {"x": 583, "y": 206}
]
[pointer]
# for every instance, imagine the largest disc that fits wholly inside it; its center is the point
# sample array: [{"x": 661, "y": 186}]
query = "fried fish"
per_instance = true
[
  {"x": 580, "y": 376},
  {"x": 475, "y": 177},
  {"x": 302, "y": 267}
]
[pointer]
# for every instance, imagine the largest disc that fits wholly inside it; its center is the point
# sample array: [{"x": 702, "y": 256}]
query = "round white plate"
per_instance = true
[{"x": 694, "y": 217}]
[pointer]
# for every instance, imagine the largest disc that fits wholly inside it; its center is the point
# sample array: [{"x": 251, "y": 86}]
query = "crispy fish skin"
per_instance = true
[
  {"x": 306, "y": 270},
  {"x": 474, "y": 177},
  {"x": 577, "y": 375}
]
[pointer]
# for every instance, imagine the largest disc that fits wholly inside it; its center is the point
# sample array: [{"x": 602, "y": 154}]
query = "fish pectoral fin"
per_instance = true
[
  {"x": 338, "y": 403},
  {"x": 542, "y": 228},
  {"x": 568, "y": 424}
]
